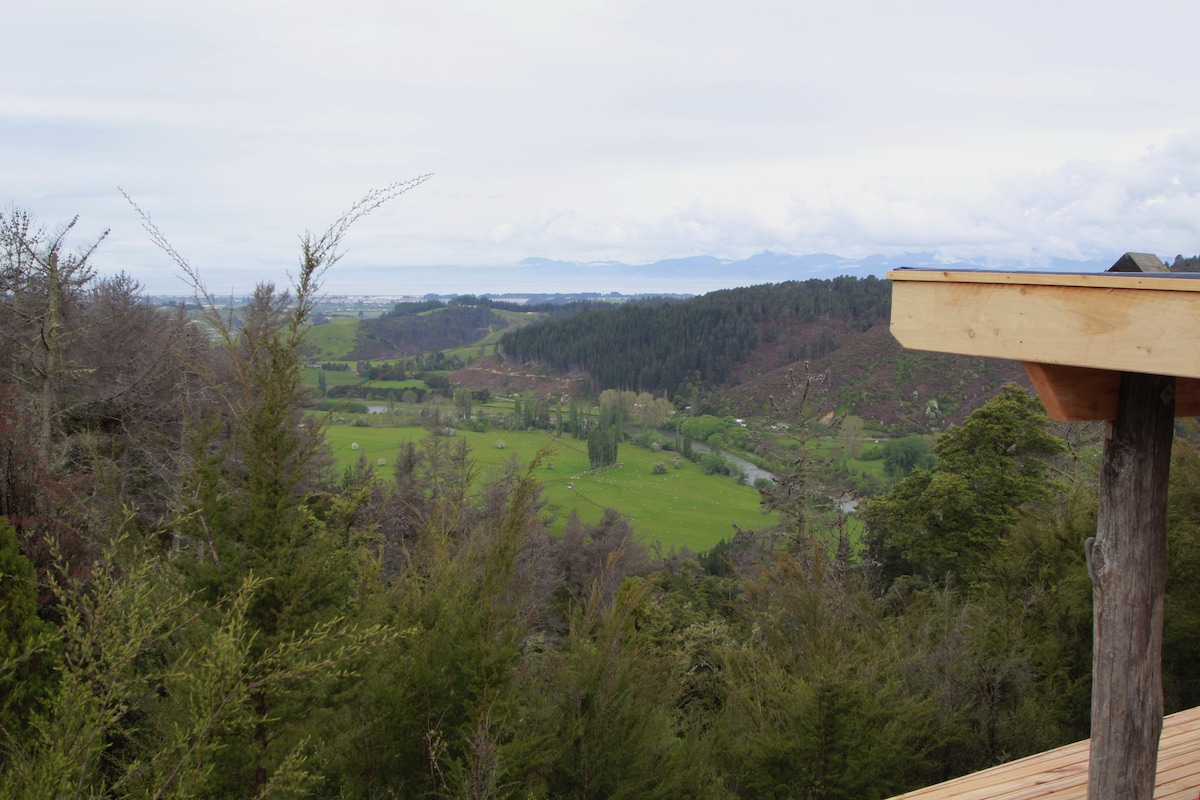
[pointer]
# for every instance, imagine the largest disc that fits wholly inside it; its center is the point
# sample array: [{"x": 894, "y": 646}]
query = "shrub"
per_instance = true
[
  {"x": 714, "y": 464},
  {"x": 659, "y": 468}
]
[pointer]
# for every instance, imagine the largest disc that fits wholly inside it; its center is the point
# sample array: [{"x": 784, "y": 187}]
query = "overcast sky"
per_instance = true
[{"x": 613, "y": 129}]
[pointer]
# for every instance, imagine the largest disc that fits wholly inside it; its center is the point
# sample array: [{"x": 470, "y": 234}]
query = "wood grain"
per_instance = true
[
  {"x": 1082, "y": 394},
  {"x": 1062, "y": 773},
  {"x": 1133, "y": 326},
  {"x": 1129, "y": 561}
]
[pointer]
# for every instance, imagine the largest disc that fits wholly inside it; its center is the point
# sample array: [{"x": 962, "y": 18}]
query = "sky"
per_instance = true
[{"x": 1005, "y": 132}]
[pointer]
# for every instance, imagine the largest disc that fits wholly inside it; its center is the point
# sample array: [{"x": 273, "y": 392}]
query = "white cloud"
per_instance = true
[{"x": 596, "y": 130}]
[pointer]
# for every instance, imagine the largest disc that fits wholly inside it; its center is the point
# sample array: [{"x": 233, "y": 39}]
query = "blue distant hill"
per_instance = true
[
  {"x": 691, "y": 275},
  {"x": 705, "y": 273}
]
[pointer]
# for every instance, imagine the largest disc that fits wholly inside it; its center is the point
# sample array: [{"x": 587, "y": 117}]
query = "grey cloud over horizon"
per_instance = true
[{"x": 627, "y": 129}]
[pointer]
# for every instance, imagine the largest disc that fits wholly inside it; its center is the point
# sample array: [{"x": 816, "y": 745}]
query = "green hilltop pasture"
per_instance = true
[
  {"x": 332, "y": 340},
  {"x": 349, "y": 377},
  {"x": 681, "y": 508}
]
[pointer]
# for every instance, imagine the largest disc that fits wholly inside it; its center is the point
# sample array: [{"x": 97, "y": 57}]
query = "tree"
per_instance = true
[
  {"x": 151, "y": 688},
  {"x": 602, "y": 445},
  {"x": 851, "y": 435},
  {"x": 463, "y": 400},
  {"x": 92, "y": 379},
  {"x": 797, "y": 413},
  {"x": 815, "y": 705},
  {"x": 605, "y": 436},
  {"x": 27, "y": 652},
  {"x": 38, "y": 285},
  {"x": 902, "y": 456},
  {"x": 247, "y": 513},
  {"x": 948, "y": 519}
]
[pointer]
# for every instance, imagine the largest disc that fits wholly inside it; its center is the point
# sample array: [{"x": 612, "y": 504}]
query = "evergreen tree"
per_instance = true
[
  {"x": 949, "y": 519},
  {"x": 27, "y": 644},
  {"x": 249, "y": 515}
]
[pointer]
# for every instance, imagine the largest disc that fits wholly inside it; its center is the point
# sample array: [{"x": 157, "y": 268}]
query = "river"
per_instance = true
[{"x": 753, "y": 471}]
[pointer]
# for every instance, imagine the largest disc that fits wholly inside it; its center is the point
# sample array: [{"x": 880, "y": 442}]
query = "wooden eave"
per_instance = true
[
  {"x": 1075, "y": 333},
  {"x": 1062, "y": 774}
]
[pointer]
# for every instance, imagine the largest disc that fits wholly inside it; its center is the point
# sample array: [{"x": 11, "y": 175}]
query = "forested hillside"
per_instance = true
[
  {"x": 699, "y": 341},
  {"x": 414, "y": 328},
  {"x": 728, "y": 351}
]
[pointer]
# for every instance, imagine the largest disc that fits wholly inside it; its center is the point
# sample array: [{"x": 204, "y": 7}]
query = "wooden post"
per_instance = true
[{"x": 1128, "y": 564}]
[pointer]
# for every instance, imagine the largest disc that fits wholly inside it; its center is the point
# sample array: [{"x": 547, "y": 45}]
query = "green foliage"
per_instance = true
[
  {"x": 434, "y": 709},
  {"x": 703, "y": 427},
  {"x": 817, "y": 707},
  {"x": 949, "y": 519},
  {"x": 27, "y": 643},
  {"x": 1004, "y": 448},
  {"x": 902, "y": 456},
  {"x": 405, "y": 331},
  {"x": 661, "y": 347},
  {"x": 713, "y": 463},
  {"x": 464, "y": 401},
  {"x": 606, "y": 720},
  {"x": 415, "y": 631},
  {"x": 153, "y": 688},
  {"x": 602, "y": 445}
]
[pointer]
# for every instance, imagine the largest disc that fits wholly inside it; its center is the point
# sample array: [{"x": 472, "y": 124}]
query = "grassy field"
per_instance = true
[
  {"x": 681, "y": 508},
  {"x": 350, "y": 378},
  {"x": 332, "y": 341}
]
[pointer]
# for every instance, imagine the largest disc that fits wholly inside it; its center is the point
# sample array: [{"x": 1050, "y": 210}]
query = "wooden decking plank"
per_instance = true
[{"x": 1061, "y": 774}]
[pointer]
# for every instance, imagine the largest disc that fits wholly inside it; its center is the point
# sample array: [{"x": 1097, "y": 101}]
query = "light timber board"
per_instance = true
[
  {"x": 1061, "y": 774},
  {"x": 1078, "y": 394},
  {"x": 1113, "y": 321}
]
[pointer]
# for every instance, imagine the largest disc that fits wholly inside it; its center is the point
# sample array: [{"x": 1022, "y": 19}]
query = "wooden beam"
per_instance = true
[
  {"x": 1169, "y": 282},
  {"x": 1116, "y": 321},
  {"x": 1128, "y": 565},
  {"x": 1084, "y": 394}
]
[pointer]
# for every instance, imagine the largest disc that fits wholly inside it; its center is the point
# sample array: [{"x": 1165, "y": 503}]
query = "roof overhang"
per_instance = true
[{"x": 1075, "y": 333}]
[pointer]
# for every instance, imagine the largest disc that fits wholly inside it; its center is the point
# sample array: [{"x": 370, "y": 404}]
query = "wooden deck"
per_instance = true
[{"x": 1062, "y": 774}]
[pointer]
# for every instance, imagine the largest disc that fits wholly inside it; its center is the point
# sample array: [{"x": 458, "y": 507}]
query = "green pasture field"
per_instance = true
[
  {"x": 332, "y": 341},
  {"x": 348, "y": 378},
  {"x": 515, "y": 319},
  {"x": 834, "y": 450},
  {"x": 681, "y": 508}
]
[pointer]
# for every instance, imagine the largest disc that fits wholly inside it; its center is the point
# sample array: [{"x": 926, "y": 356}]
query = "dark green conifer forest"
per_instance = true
[
  {"x": 662, "y": 347},
  {"x": 195, "y": 604}
]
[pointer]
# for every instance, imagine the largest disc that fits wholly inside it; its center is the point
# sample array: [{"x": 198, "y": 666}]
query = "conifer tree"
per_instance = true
[
  {"x": 27, "y": 643},
  {"x": 249, "y": 513}
]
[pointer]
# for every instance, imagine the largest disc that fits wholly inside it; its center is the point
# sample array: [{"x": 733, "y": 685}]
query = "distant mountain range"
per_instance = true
[
  {"x": 690, "y": 276},
  {"x": 769, "y": 267}
]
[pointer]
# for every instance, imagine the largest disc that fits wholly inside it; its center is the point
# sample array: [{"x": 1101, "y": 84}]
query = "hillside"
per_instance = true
[
  {"x": 413, "y": 328},
  {"x": 873, "y": 377},
  {"x": 730, "y": 350}
]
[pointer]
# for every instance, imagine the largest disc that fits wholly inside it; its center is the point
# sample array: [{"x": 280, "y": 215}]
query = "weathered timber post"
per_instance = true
[
  {"x": 1120, "y": 347},
  {"x": 1128, "y": 564}
]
